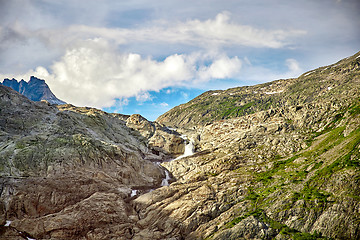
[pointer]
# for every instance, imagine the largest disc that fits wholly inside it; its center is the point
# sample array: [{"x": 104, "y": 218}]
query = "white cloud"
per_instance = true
[
  {"x": 247, "y": 61},
  {"x": 217, "y": 32},
  {"x": 95, "y": 73},
  {"x": 293, "y": 66},
  {"x": 143, "y": 97},
  {"x": 164, "y": 104},
  {"x": 221, "y": 68},
  {"x": 119, "y": 105},
  {"x": 222, "y": 31},
  {"x": 185, "y": 95},
  {"x": 259, "y": 74}
]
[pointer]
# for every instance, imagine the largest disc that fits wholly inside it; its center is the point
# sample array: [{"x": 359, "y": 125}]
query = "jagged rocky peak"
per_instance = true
[
  {"x": 13, "y": 83},
  {"x": 36, "y": 89}
]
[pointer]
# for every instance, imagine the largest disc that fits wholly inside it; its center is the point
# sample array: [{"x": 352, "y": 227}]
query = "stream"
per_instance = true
[{"x": 189, "y": 150}]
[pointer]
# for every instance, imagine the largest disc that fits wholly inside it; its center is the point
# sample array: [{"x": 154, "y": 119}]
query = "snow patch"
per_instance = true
[
  {"x": 308, "y": 73},
  {"x": 329, "y": 88},
  {"x": 133, "y": 193},
  {"x": 7, "y": 224},
  {"x": 214, "y": 94},
  {"x": 269, "y": 93}
]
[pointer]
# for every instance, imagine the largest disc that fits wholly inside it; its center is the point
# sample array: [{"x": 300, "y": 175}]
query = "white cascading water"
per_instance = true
[
  {"x": 165, "y": 181},
  {"x": 189, "y": 150},
  {"x": 133, "y": 193}
]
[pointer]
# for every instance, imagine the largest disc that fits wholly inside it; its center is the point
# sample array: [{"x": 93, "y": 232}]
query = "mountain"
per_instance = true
[
  {"x": 279, "y": 160},
  {"x": 61, "y": 160},
  {"x": 36, "y": 89},
  {"x": 330, "y": 83}
]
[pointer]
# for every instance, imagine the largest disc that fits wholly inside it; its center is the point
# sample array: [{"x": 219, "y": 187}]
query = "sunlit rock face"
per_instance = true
[{"x": 272, "y": 161}]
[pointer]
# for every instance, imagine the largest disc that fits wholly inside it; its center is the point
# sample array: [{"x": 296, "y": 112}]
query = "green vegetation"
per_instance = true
[
  {"x": 278, "y": 227},
  {"x": 267, "y": 176},
  {"x": 310, "y": 194},
  {"x": 285, "y": 172},
  {"x": 231, "y": 110},
  {"x": 20, "y": 145},
  {"x": 235, "y": 221}
]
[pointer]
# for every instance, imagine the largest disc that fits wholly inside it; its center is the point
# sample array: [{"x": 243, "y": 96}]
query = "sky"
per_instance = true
[{"x": 147, "y": 56}]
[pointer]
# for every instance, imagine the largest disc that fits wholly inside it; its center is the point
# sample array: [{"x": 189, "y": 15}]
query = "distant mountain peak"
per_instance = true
[
  {"x": 33, "y": 78},
  {"x": 36, "y": 89}
]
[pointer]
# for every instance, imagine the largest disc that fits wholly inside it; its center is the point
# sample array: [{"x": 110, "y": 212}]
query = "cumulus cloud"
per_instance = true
[
  {"x": 95, "y": 73},
  {"x": 223, "y": 67},
  {"x": 143, "y": 97}
]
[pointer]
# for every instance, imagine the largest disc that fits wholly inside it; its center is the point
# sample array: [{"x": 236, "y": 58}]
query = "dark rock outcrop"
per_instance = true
[{"x": 36, "y": 89}]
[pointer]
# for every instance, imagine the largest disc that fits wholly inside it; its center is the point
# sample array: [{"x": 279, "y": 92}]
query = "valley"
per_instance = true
[{"x": 278, "y": 160}]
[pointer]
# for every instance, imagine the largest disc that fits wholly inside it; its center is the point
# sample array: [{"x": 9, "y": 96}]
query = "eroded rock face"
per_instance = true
[
  {"x": 102, "y": 215},
  {"x": 164, "y": 142},
  {"x": 167, "y": 140},
  {"x": 141, "y": 124}
]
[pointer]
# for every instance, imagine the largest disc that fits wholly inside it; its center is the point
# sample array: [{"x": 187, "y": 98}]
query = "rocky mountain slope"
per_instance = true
[
  {"x": 36, "y": 89},
  {"x": 56, "y": 158},
  {"x": 285, "y": 166},
  {"x": 288, "y": 169},
  {"x": 323, "y": 84}
]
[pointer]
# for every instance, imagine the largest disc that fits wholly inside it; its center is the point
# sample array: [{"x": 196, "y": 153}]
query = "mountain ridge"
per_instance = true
[
  {"x": 36, "y": 89},
  {"x": 240, "y": 101}
]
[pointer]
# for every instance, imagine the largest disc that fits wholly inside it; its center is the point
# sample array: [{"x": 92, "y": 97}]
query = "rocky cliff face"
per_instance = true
[
  {"x": 278, "y": 161},
  {"x": 36, "y": 89}
]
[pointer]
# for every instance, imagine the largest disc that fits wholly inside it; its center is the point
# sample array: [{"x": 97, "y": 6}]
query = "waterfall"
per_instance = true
[
  {"x": 165, "y": 181},
  {"x": 189, "y": 148}
]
